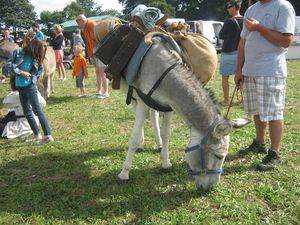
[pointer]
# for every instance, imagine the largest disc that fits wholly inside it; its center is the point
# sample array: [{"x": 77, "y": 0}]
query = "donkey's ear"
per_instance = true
[
  {"x": 240, "y": 122},
  {"x": 222, "y": 129}
]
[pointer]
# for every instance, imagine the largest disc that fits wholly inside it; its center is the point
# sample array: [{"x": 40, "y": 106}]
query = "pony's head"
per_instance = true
[
  {"x": 206, "y": 159},
  {"x": 27, "y": 38}
]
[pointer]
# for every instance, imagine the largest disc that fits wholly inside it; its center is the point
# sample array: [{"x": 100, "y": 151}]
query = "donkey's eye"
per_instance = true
[{"x": 218, "y": 157}]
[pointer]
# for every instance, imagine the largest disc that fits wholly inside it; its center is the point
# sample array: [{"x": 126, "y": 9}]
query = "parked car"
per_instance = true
[{"x": 209, "y": 29}]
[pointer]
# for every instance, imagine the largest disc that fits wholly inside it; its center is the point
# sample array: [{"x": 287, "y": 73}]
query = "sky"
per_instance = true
[{"x": 41, "y": 5}]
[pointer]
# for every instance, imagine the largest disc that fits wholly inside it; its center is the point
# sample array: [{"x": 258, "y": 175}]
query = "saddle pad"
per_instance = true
[
  {"x": 137, "y": 58},
  {"x": 135, "y": 62}
]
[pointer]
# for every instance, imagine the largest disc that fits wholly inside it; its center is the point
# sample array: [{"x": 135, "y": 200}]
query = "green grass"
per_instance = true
[{"x": 74, "y": 179}]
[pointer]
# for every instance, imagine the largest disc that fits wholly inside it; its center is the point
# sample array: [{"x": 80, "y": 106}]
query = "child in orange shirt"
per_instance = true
[{"x": 80, "y": 69}]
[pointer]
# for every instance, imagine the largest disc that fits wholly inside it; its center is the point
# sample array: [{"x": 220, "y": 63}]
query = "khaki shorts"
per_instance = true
[
  {"x": 98, "y": 63},
  {"x": 264, "y": 96}
]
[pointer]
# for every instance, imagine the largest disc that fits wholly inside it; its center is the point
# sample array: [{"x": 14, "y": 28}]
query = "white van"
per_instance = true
[
  {"x": 294, "y": 49},
  {"x": 209, "y": 29}
]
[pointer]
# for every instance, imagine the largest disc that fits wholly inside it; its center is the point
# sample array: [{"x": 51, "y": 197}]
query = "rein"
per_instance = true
[
  {"x": 236, "y": 90},
  {"x": 201, "y": 147},
  {"x": 147, "y": 99}
]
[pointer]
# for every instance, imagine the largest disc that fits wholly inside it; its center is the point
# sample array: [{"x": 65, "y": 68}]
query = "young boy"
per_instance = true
[{"x": 80, "y": 69}]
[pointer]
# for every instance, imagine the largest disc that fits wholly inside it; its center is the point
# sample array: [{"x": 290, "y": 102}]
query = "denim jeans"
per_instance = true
[{"x": 30, "y": 103}]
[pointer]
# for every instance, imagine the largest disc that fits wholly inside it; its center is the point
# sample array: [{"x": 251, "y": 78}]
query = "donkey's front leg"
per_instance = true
[
  {"x": 135, "y": 139},
  {"x": 165, "y": 135},
  {"x": 51, "y": 81}
]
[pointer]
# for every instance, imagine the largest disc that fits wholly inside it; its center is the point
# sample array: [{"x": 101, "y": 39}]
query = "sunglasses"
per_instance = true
[{"x": 77, "y": 20}]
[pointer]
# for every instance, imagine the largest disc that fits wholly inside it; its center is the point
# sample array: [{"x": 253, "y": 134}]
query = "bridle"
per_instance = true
[{"x": 201, "y": 147}]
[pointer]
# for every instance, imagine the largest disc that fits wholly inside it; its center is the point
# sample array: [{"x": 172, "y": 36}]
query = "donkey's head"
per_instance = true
[{"x": 206, "y": 159}]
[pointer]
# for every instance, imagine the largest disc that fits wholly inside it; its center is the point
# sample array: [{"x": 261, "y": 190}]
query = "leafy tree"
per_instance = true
[
  {"x": 18, "y": 14},
  {"x": 112, "y": 12},
  {"x": 48, "y": 19},
  {"x": 199, "y": 9},
  {"x": 161, "y": 4},
  {"x": 72, "y": 10},
  {"x": 89, "y": 6}
]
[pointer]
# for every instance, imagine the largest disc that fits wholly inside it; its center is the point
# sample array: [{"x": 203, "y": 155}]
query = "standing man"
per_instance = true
[
  {"x": 38, "y": 33},
  {"x": 268, "y": 31},
  {"x": 88, "y": 32},
  {"x": 230, "y": 33}
]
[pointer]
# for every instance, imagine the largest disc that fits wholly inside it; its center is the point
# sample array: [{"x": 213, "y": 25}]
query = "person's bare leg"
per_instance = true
[
  {"x": 64, "y": 74},
  {"x": 59, "y": 71},
  {"x": 260, "y": 128},
  {"x": 98, "y": 80},
  {"x": 103, "y": 80},
  {"x": 225, "y": 86},
  {"x": 276, "y": 128}
]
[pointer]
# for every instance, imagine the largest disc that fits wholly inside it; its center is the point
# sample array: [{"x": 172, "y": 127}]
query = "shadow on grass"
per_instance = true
[
  {"x": 237, "y": 169},
  {"x": 64, "y": 186},
  {"x": 52, "y": 100}
]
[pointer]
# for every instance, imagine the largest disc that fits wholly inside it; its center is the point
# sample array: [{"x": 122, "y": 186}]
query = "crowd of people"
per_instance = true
[{"x": 253, "y": 51}]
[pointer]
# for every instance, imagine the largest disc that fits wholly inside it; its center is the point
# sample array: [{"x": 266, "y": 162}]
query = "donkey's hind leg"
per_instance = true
[
  {"x": 154, "y": 116},
  {"x": 135, "y": 139},
  {"x": 165, "y": 135}
]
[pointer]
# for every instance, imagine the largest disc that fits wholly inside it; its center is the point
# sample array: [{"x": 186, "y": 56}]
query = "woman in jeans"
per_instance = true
[{"x": 26, "y": 65}]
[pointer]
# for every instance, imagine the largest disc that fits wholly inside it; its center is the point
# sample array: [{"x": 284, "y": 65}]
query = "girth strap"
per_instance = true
[{"x": 147, "y": 99}]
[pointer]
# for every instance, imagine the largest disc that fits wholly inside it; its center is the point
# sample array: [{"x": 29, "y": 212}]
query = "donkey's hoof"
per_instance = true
[
  {"x": 159, "y": 149},
  {"x": 166, "y": 170},
  {"x": 123, "y": 177},
  {"x": 139, "y": 150}
]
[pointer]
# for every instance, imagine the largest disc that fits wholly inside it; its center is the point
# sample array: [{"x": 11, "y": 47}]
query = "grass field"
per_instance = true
[{"x": 74, "y": 179}]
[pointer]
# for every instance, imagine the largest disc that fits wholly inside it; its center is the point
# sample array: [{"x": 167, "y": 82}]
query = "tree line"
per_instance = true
[{"x": 19, "y": 14}]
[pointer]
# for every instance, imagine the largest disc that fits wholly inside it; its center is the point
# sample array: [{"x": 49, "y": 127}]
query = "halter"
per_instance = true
[{"x": 201, "y": 147}]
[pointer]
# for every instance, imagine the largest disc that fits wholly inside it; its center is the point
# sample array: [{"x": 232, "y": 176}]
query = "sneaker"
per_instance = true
[
  {"x": 39, "y": 139},
  {"x": 47, "y": 139},
  {"x": 97, "y": 95},
  {"x": 33, "y": 138},
  {"x": 269, "y": 162},
  {"x": 106, "y": 95},
  {"x": 255, "y": 147}
]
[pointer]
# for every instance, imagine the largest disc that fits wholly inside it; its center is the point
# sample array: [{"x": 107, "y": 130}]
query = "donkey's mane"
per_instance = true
[{"x": 196, "y": 103}]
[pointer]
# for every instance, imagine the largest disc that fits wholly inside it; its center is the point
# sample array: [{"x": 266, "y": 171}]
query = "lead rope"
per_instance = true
[{"x": 236, "y": 90}]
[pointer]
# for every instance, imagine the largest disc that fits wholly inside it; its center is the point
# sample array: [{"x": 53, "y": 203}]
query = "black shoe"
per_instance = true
[
  {"x": 269, "y": 162},
  {"x": 255, "y": 147}
]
